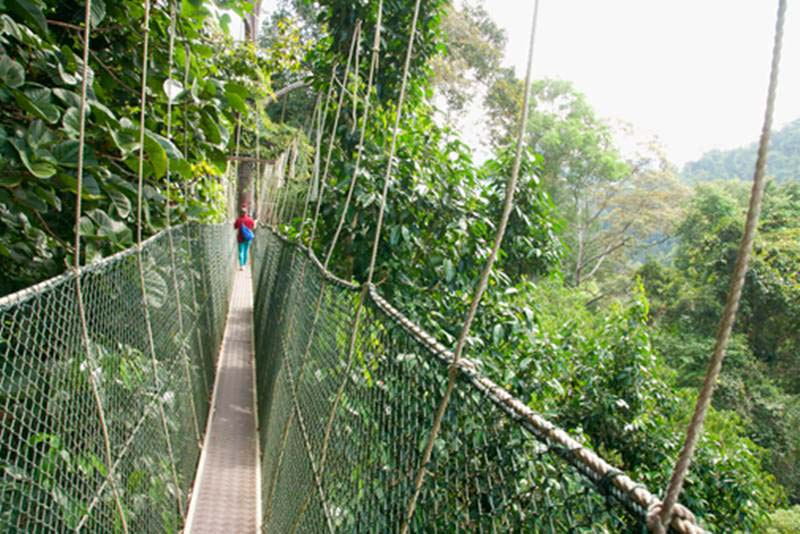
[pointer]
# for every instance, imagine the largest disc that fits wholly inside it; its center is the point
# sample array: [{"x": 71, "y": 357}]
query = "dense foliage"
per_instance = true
[
  {"x": 738, "y": 163},
  {"x": 759, "y": 379},
  {"x": 589, "y": 364},
  {"x": 214, "y": 83},
  {"x": 565, "y": 325}
]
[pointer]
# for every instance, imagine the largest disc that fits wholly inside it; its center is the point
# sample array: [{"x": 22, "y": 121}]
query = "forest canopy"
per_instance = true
[{"x": 603, "y": 305}]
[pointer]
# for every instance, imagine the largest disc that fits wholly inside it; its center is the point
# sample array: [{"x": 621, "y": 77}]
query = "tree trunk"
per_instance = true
[{"x": 247, "y": 171}]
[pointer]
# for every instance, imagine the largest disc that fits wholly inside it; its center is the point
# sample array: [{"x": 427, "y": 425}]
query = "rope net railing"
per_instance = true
[
  {"x": 342, "y": 440},
  {"x": 54, "y": 476}
]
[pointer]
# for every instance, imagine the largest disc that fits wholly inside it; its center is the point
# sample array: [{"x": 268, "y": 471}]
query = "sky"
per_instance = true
[{"x": 693, "y": 73}]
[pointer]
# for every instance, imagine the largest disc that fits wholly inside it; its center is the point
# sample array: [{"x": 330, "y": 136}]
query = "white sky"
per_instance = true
[{"x": 692, "y": 72}]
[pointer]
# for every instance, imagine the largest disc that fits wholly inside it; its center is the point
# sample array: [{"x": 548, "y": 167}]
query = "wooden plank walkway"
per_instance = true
[{"x": 226, "y": 492}]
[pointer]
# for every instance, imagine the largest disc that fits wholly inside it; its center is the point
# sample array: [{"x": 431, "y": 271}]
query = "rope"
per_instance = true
[
  {"x": 355, "y": 329},
  {"x": 139, "y": 260},
  {"x": 234, "y": 181},
  {"x": 357, "y": 72},
  {"x": 484, "y": 280},
  {"x": 87, "y": 346},
  {"x": 376, "y": 45},
  {"x": 187, "y": 370},
  {"x": 390, "y": 165},
  {"x": 356, "y": 38},
  {"x": 660, "y": 519}
]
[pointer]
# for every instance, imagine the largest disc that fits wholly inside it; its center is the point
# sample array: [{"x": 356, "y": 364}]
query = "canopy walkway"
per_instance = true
[
  {"x": 332, "y": 411},
  {"x": 340, "y": 441}
]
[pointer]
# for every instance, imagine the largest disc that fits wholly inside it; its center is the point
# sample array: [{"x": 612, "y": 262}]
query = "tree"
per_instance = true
[
  {"x": 214, "y": 84},
  {"x": 758, "y": 380},
  {"x": 473, "y": 51}
]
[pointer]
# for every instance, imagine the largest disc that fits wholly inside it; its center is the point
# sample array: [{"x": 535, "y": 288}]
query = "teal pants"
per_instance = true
[{"x": 244, "y": 246}]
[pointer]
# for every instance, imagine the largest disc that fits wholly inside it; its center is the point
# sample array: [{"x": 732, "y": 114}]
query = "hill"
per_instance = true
[{"x": 783, "y": 163}]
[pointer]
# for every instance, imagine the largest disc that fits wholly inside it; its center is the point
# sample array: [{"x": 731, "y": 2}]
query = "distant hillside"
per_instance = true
[{"x": 783, "y": 163}]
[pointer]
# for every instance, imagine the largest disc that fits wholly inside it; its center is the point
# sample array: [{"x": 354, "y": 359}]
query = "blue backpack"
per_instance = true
[{"x": 247, "y": 233}]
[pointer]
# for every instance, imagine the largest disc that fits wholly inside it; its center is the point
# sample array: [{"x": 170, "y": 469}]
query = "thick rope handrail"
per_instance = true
[
  {"x": 482, "y": 284},
  {"x": 140, "y": 260},
  {"x": 623, "y": 488},
  {"x": 661, "y": 518},
  {"x": 87, "y": 346}
]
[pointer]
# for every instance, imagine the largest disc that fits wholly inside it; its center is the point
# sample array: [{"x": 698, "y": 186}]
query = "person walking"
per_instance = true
[{"x": 244, "y": 226}]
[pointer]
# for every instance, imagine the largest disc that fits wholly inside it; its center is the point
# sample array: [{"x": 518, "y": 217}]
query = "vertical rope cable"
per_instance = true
[
  {"x": 87, "y": 346},
  {"x": 321, "y": 118},
  {"x": 356, "y": 321},
  {"x": 170, "y": 239},
  {"x": 376, "y": 45},
  {"x": 483, "y": 282},
  {"x": 660, "y": 520},
  {"x": 324, "y": 179},
  {"x": 395, "y": 131},
  {"x": 140, "y": 261}
]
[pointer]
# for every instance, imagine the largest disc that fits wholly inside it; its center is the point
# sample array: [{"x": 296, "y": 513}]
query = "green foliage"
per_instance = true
[
  {"x": 739, "y": 163},
  {"x": 758, "y": 380},
  {"x": 594, "y": 372},
  {"x": 785, "y": 521},
  {"x": 214, "y": 84},
  {"x": 474, "y": 46}
]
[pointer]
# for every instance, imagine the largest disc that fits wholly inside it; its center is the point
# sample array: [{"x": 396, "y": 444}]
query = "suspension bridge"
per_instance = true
[{"x": 163, "y": 390}]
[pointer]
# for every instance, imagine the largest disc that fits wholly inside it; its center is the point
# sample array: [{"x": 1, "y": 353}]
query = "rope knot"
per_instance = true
[{"x": 654, "y": 519}]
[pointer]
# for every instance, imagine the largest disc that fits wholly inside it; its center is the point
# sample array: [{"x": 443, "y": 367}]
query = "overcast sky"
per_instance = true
[{"x": 692, "y": 72}]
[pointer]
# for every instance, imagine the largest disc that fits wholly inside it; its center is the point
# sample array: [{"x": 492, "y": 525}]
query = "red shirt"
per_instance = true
[{"x": 244, "y": 220}]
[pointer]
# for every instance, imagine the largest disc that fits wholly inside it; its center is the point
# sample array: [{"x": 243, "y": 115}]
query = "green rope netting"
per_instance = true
[
  {"x": 53, "y": 472},
  {"x": 342, "y": 440}
]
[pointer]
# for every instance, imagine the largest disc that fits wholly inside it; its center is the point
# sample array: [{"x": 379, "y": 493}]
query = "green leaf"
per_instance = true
[
  {"x": 30, "y": 12},
  {"x": 37, "y": 135},
  {"x": 11, "y": 73},
  {"x": 49, "y": 196},
  {"x": 98, "y": 12},
  {"x": 66, "y": 154},
  {"x": 69, "y": 98},
  {"x": 38, "y": 102},
  {"x": 173, "y": 89},
  {"x": 106, "y": 225},
  {"x": 101, "y": 113},
  {"x": 42, "y": 169},
  {"x": 210, "y": 128},
  {"x": 168, "y": 146},
  {"x": 91, "y": 191},
  {"x": 30, "y": 201},
  {"x": 120, "y": 201},
  {"x": 66, "y": 77},
  {"x": 157, "y": 288},
  {"x": 10, "y": 181},
  {"x": 39, "y": 169},
  {"x": 86, "y": 226},
  {"x": 156, "y": 154},
  {"x": 236, "y": 102},
  {"x": 181, "y": 167},
  {"x": 72, "y": 121}
]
